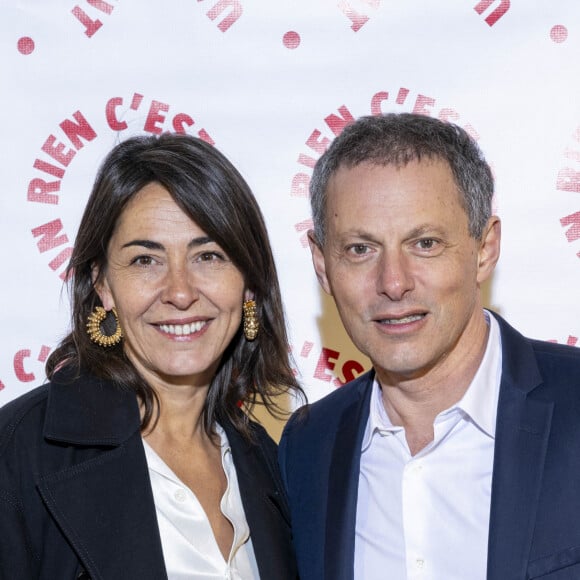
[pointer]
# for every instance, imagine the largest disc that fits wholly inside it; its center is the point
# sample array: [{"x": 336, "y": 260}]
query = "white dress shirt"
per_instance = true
[
  {"x": 426, "y": 517},
  {"x": 190, "y": 549}
]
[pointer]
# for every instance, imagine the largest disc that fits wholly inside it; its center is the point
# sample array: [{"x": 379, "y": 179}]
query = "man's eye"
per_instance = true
[
  {"x": 359, "y": 249},
  {"x": 427, "y": 244}
]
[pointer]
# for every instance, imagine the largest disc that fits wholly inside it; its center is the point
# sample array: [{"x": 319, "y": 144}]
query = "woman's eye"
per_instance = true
[
  {"x": 143, "y": 260},
  {"x": 210, "y": 257}
]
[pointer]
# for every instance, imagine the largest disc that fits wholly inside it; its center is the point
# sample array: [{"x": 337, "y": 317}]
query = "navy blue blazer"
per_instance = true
[
  {"x": 75, "y": 494},
  {"x": 535, "y": 497}
]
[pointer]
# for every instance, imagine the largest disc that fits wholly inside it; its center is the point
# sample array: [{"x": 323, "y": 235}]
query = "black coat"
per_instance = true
[{"x": 75, "y": 494}]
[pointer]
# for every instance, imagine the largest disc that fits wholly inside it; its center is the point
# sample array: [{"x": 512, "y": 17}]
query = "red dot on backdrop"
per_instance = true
[
  {"x": 559, "y": 33},
  {"x": 291, "y": 39},
  {"x": 25, "y": 45}
]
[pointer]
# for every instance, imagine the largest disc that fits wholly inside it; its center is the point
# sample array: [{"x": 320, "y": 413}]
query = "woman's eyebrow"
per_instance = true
[{"x": 151, "y": 245}]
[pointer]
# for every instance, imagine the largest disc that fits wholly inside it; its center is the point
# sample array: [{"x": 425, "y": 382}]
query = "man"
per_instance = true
[{"x": 457, "y": 457}]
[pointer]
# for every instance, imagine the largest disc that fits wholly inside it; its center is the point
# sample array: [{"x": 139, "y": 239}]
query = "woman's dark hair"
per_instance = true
[{"x": 209, "y": 189}]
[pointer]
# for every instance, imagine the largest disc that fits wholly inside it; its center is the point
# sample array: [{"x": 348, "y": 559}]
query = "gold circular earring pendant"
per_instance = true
[{"x": 95, "y": 332}]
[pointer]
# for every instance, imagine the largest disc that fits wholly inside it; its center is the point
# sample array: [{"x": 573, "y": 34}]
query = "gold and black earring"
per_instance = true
[{"x": 95, "y": 331}]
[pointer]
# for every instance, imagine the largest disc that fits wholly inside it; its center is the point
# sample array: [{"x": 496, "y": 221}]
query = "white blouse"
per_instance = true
[{"x": 190, "y": 549}]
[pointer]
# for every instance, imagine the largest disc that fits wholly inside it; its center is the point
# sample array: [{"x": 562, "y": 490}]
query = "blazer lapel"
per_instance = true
[
  {"x": 105, "y": 508},
  {"x": 523, "y": 428},
  {"x": 343, "y": 486},
  {"x": 102, "y": 501},
  {"x": 264, "y": 504}
]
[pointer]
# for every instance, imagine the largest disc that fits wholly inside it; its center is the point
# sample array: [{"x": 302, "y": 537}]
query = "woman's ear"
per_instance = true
[{"x": 102, "y": 288}]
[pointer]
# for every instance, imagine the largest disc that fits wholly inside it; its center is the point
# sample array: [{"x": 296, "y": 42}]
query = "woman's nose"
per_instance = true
[{"x": 179, "y": 288}]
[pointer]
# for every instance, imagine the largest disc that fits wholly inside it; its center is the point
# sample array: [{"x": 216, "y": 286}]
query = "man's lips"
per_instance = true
[{"x": 401, "y": 320}]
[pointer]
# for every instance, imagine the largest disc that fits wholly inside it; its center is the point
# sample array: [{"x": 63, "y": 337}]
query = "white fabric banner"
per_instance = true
[{"x": 271, "y": 83}]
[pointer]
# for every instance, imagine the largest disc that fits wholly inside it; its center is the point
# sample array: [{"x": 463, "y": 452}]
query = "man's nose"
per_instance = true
[{"x": 394, "y": 277}]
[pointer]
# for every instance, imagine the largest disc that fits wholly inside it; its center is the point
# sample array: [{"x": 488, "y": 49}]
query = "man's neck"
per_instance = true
[{"x": 414, "y": 402}]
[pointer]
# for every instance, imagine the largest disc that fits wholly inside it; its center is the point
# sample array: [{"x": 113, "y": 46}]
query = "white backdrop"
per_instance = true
[{"x": 270, "y": 82}]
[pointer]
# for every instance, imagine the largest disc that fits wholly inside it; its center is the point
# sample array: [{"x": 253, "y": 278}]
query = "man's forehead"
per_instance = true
[
  {"x": 353, "y": 173},
  {"x": 416, "y": 193}
]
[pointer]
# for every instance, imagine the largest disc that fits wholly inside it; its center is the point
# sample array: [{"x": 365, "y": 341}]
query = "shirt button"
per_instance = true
[
  {"x": 420, "y": 563},
  {"x": 179, "y": 495}
]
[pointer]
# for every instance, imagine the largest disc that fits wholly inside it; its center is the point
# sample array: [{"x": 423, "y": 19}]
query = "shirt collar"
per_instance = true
[
  {"x": 378, "y": 419},
  {"x": 479, "y": 402}
]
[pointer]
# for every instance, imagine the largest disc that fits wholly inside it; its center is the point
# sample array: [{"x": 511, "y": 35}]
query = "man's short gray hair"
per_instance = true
[{"x": 396, "y": 139}]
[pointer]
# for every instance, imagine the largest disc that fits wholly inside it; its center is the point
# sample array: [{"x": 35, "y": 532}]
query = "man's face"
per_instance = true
[{"x": 404, "y": 271}]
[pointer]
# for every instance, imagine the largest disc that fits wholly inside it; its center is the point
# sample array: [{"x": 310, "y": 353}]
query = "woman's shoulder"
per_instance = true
[
  {"x": 27, "y": 413},
  {"x": 22, "y": 423},
  {"x": 19, "y": 409}
]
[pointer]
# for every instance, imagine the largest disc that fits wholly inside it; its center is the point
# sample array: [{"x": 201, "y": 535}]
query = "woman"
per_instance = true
[{"x": 136, "y": 460}]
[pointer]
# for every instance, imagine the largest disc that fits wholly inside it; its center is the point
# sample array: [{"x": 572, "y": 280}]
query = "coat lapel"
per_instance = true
[
  {"x": 265, "y": 505},
  {"x": 343, "y": 486},
  {"x": 102, "y": 501},
  {"x": 523, "y": 428},
  {"x": 105, "y": 508}
]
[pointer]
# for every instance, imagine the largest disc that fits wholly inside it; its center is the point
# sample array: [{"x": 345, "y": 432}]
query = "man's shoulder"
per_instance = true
[
  {"x": 551, "y": 351},
  {"x": 327, "y": 411},
  {"x": 559, "y": 366},
  {"x": 342, "y": 397},
  {"x": 544, "y": 351},
  {"x": 548, "y": 368}
]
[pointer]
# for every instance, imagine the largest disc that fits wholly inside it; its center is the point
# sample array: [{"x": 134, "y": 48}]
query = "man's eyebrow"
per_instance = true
[
  {"x": 418, "y": 231},
  {"x": 365, "y": 236},
  {"x": 424, "y": 229},
  {"x": 151, "y": 245}
]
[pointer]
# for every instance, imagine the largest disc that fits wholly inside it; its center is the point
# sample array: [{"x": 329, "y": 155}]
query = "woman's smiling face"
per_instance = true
[{"x": 177, "y": 294}]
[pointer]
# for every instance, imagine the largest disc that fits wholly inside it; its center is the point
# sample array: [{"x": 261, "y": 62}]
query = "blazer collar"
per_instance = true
[
  {"x": 101, "y": 497},
  {"x": 523, "y": 428},
  {"x": 104, "y": 507},
  {"x": 519, "y": 366},
  {"x": 85, "y": 410}
]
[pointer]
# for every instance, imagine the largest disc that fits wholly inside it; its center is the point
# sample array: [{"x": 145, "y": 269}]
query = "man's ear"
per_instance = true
[
  {"x": 102, "y": 288},
  {"x": 318, "y": 262},
  {"x": 489, "y": 249}
]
